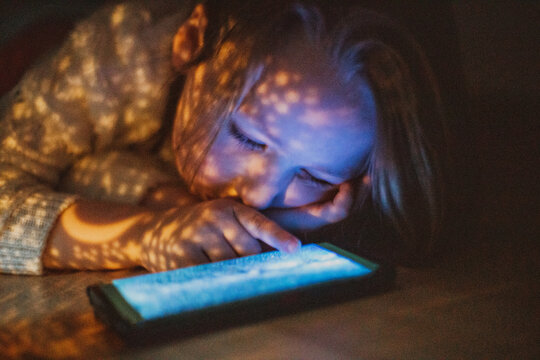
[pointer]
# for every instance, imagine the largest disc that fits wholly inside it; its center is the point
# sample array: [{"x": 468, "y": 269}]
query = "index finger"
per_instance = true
[{"x": 264, "y": 229}]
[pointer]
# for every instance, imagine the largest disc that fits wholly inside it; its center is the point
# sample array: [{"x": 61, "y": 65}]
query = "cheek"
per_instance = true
[
  {"x": 213, "y": 171},
  {"x": 216, "y": 175}
]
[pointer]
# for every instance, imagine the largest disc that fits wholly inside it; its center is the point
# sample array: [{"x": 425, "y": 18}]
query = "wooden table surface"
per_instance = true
[{"x": 481, "y": 305}]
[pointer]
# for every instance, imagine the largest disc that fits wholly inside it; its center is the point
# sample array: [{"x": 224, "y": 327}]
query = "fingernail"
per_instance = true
[{"x": 293, "y": 246}]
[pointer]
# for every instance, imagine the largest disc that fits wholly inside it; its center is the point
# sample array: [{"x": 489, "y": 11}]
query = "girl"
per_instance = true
[{"x": 286, "y": 121}]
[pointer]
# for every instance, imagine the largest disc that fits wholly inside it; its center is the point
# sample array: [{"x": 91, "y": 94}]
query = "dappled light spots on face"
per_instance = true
[
  {"x": 292, "y": 96},
  {"x": 297, "y": 145},
  {"x": 256, "y": 165},
  {"x": 282, "y": 108},
  {"x": 212, "y": 172},
  {"x": 207, "y": 98},
  {"x": 297, "y": 117},
  {"x": 312, "y": 97},
  {"x": 282, "y": 78},
  {"x": 262, "y": 89}
]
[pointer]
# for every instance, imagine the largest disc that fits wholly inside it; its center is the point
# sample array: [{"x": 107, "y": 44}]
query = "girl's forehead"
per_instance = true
[
  {"x": 303, "y": 74},
  {"x": 298, "y": 86}
]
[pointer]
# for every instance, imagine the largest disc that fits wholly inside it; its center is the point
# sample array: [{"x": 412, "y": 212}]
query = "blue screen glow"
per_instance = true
[{"x": 176, "y": 291}]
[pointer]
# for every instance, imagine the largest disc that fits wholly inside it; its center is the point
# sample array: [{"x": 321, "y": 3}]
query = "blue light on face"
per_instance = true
[{"x": 173, "y": 292}]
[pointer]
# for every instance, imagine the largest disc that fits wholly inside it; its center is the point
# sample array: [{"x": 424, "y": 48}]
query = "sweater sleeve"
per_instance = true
[
  {"x": 44, "y": 127},
  {"x": 92, "y": 96},
  {"x": 28, "y": 210}
]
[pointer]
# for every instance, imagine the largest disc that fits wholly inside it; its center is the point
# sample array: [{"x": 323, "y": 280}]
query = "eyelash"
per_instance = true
[
  {"x": 306, "y": 176},
  {"x": 243, "y": 140},
  {"x": 249, "y": 144}
]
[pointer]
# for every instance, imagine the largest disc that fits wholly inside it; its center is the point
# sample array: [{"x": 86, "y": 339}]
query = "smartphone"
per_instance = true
[{"x": 232, "y": 292}]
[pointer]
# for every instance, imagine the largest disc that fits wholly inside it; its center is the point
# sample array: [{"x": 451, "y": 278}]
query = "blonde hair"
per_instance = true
[{"x": 404, "y": 169}]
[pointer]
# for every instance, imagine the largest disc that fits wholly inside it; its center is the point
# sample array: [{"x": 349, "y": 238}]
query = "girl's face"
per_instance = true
[{"x": 296, "y": 136}]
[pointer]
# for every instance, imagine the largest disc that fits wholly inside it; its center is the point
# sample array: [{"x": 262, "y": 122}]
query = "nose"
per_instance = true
[{"x": 260, "y": 196}]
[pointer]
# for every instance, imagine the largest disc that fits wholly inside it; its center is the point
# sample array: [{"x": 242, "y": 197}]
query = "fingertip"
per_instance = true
[{"x": 293, "y": 246}]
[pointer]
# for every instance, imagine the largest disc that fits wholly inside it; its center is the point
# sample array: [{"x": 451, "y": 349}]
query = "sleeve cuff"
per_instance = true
[{"x": 25, "y": 232}]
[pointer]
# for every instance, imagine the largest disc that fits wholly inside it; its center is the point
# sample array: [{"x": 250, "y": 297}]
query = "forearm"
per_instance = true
[
  {"x": 98, "y": 235},
  {"x": 108, "y": 235}
]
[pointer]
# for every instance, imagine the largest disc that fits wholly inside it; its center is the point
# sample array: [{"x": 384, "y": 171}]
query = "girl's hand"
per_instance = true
[
  {"x": 313, "y": 216},
  {"x": 209, "y": 231}
]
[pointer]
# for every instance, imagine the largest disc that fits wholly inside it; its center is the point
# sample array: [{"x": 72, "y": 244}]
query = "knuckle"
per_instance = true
[
  {"x": 248, "y": 247},
  {"x": 259, "y": 221}
]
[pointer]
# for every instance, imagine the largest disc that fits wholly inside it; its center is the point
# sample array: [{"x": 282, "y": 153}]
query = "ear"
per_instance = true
[{"x": 189, "y": 39}]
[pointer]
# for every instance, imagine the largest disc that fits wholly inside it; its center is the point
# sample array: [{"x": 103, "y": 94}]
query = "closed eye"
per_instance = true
[
  {"x": 304, "y": 175},
  {"x": 243, "y": 139}
]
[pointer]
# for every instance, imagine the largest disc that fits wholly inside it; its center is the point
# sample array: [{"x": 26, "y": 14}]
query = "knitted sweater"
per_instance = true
[{"x": 82, "y": 122}]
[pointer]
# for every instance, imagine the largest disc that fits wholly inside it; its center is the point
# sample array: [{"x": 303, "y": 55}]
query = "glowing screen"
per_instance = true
[{"x": 176, "y": 291}]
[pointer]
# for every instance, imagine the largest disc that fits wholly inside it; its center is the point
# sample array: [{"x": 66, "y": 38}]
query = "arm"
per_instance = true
[
  {"x": 96, "y": 235},
  {"x": 99, "y": 235}
]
